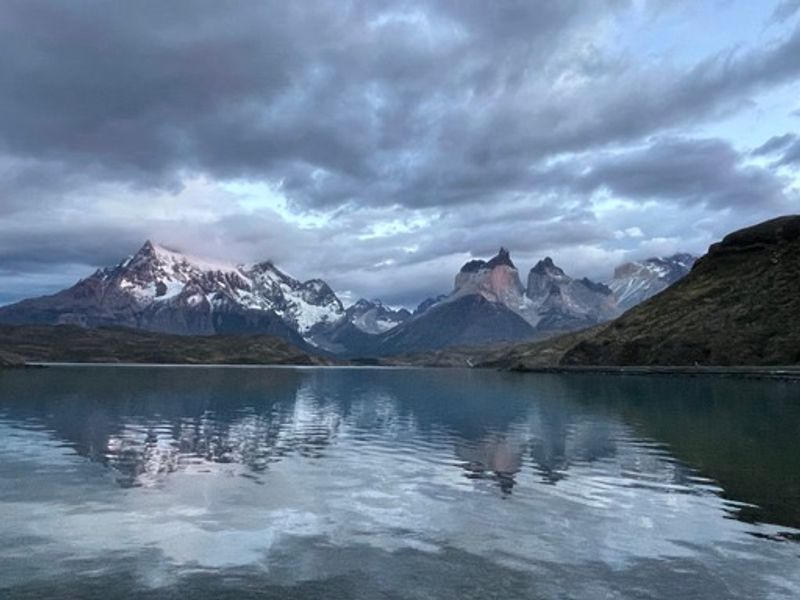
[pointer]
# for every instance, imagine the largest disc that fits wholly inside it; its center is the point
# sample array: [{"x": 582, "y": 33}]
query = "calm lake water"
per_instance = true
[{"x": 156, "y": 482}]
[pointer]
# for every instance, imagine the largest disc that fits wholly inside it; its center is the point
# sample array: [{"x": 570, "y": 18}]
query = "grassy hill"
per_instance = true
[{"x": 739, "y": 305}]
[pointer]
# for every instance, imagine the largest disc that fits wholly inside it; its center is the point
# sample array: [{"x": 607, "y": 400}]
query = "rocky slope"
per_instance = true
[
  {"x": 428, "y": 303},
  {"x": 373, "y": 317},
  {"x": 158, "y": 289},
  {"x": 70, "y": 343},
  {"x": 739, "y": 305},
  {"x": 635, "y": 282},
  {"x": 468, "y": 319},
  {"x": 561, "y": 303}
]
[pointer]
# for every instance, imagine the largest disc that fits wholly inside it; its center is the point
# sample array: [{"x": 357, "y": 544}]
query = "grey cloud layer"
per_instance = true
[
  {"x": 493, "y": 122},
  {"x": 786, "y": 146},
  {"x": 420, "y": 103}
]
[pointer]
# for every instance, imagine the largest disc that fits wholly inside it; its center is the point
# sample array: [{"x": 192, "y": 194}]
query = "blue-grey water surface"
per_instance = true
[{"x": 169, "y": 482}]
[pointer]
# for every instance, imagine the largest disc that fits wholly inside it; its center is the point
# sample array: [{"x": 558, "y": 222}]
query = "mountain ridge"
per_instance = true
[{"x": 161, "y": 289}]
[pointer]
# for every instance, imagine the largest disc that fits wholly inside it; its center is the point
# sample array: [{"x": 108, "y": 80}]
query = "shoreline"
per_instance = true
[
  {"x": 775, "y": 373},
  {"x": 785, "y": 373},
  {"x": 110, "y": 364}
]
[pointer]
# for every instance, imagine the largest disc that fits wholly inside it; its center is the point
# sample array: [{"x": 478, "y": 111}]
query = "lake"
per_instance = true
[{"x": 178, "y": 482}]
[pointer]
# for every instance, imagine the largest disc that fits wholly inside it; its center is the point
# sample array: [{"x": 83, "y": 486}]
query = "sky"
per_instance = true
[{"x": 379, "y": 145}]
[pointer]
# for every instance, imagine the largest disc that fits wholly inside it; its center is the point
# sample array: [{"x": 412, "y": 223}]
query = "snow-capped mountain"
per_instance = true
[
  {"x": 372, "y": 316},
  {"x": 160, "y": 289},
  {"x": 635, "y": 282},
  {"x": 164, "y": 290}
]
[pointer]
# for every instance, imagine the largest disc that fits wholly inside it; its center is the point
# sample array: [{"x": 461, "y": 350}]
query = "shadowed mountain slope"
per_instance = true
[
  {"x": 70, "y": 343},
  {"x": 739, "y": 305}
]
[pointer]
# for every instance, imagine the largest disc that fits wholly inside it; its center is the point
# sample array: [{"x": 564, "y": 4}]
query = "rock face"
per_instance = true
[
  {"x": 552, "y": 301},
  {"x": 489, "y": 304},
  {"x": 739, "y": 305},
  {"x": 372, "y": 316},
  {"x": 158, "y": 289},
  {"x": 635, "y": 282},
  {"x": 560, "y": 303},
  {"x": 496, "y": 280}
]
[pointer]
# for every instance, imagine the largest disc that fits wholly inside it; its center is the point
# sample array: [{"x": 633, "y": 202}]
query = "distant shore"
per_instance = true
[
  {"x": 786, "y": 373},
  {"x": 790, "y": 373}
]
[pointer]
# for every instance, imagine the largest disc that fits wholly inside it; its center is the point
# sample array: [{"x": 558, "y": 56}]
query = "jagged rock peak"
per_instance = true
[
  {"x": 547, "y": 267},
  {"x": 150, "y": 248},
  {"x": 146, "y": 252},
  {"x": 595, "y": 286},
  {"x": 503, "y": 257}
]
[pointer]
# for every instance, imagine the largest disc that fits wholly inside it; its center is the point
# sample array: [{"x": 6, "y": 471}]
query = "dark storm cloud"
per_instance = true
[
  {"x": 775, "y": 143},
  {"x": 787, "y": 146},
  {"x": 31, "y": 249},
  {"x": 419, "y": 103},
  {"x": 791, "y": 156},
  {"x": 142, "y": 91},
  {"x": 686, "y": 171},
  {"x": 488, "y": 123}
]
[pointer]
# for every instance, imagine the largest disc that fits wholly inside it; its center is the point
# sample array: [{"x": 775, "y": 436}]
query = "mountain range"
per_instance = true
[{"x": 159, "y": 289}]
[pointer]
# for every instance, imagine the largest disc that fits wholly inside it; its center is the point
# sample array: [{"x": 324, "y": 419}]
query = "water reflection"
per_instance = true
[
  {"x": 547, "y": 476},
  {"x": 147, "y": 423}
]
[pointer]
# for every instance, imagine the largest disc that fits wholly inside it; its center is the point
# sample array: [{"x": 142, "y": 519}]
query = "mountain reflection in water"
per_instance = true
[{"x": 530, "y": 473}]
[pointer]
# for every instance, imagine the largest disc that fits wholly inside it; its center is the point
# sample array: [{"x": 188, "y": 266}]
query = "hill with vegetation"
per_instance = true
[
  {"x": 70, "y": 343},
  {"x": 739, "y": 305}
]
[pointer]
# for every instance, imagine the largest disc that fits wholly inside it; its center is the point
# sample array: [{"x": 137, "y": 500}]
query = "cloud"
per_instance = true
[
  {"x": 784, "y": 10},
  {"x": 774, "y": 144},
  {"x": 787, "y": 146},
  {"x": 685, "y": 171},
  {"x": 791, "y": 156},
  {"x": 419, "y": 104},
  {"x": 416, "y": 135}
]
